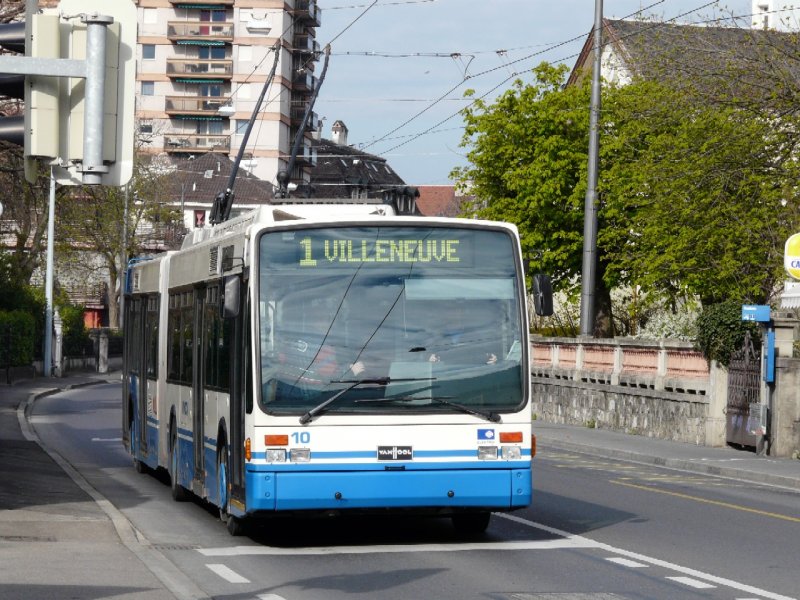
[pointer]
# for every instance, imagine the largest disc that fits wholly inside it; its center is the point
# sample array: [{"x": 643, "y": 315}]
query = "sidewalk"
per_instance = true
[
  {"x": 725, "y": 462},
  {"x": 55, "y": 539}
]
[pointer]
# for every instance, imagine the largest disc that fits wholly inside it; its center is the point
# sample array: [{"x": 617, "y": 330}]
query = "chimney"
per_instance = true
[{"x": 339, "y": 133}]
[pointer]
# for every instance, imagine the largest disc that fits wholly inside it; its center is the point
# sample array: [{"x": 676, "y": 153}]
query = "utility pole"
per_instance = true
[{"x": 589, "y": 271}]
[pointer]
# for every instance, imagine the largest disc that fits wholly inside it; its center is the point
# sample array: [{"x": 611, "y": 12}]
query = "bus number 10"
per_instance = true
[{"x": 301, "y": 437}]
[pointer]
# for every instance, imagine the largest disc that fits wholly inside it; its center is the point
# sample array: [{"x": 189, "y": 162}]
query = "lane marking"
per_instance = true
[
  {"x": 700, "y": 585},
  {"x": 227, "y": 574},
  {"x": 270, "y": 597},
  {"x": 119, "y": 439},
  {"x": 626, "y": 562},
  {"x": 756, "y": 511},
  {"x": 399, "y": 548},
  {"x": 749, "y": 589}
]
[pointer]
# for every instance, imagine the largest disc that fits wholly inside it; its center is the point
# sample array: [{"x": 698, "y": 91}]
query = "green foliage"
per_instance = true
[
  {"x": 698, "y": 197},
  {"x": 721, "y": 331},
  {"x": 16, "y": 338},
  {"x": 74, "y": 330}
]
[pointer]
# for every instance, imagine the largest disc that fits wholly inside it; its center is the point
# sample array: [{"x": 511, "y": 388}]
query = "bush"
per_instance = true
[
  {"x": 74, "y": 330},
  {"x": 16, "y": 338},
  {"x": 721, "y": 331}
]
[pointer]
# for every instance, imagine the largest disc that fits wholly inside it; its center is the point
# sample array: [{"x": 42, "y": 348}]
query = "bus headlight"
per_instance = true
[
  {"x": 511, "y": 452},
  {"x": 487, "y": 453},
  {"x": 276, "y": 455},
  {"x": 300, "y": 454}
]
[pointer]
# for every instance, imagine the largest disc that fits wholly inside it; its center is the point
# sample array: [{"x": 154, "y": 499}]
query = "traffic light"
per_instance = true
[{"x": 78, "y": 77}]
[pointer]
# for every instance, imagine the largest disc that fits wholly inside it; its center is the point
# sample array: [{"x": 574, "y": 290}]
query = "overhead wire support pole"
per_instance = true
[
  {"x": 589, "y": 270},
  {"x": 283, "y": 178},
  {"x": 223, "y": 202}
]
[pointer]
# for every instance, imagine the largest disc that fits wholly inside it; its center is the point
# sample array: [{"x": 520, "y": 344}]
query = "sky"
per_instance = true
[{"x": 399, "y": 68}]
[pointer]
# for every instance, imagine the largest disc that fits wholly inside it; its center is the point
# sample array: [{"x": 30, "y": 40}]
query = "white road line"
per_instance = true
[
  {"x": 625, "y": 562},
  {"x": 270, "y": 597},
  {"x": 227, "y": 574},
  {"x": 700, "y": 585},
  {"x": 106, "y": 439},
  {"x": 652, "y": 561}
]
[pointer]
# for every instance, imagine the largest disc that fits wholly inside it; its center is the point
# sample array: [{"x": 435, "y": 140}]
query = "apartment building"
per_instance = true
[{"x": 201, "y": 67}]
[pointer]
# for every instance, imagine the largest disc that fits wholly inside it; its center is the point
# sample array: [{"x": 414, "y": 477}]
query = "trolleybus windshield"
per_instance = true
[{"x": 431, "y": 313}]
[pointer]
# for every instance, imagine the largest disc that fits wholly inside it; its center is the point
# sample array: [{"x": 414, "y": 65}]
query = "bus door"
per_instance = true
[
  {"x": 198, "y": 390},
  {"x": 241, "y": 393},
  {"x": 135, "y": 407}
]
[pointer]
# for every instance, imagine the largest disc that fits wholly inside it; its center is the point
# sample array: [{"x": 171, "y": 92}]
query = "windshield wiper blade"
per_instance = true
[
  {"x": 353, "y": 384},
  {"x": 487, "y": 414}
]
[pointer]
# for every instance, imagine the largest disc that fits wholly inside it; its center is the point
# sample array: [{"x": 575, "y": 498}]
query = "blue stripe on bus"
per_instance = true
[
  {"x": 471, "y": 453},
  {"x": 494, "y": 465}
]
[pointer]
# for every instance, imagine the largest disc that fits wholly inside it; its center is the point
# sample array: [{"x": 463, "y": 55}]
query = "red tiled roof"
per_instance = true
[{"x": 439, "y": 201}]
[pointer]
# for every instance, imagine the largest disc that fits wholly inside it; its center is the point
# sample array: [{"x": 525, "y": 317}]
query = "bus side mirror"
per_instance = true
[
  {"x": 542, "y": 291},
  {"x": 230, "y": 306}
]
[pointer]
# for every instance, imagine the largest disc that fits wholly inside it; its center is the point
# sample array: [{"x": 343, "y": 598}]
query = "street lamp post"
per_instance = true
[{"x": 589, "y": 271}]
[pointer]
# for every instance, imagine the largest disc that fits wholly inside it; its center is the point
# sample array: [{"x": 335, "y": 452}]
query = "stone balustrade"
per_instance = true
[
  {"x": 670, "y": 365},
  {"x": 659, "y": 389}
]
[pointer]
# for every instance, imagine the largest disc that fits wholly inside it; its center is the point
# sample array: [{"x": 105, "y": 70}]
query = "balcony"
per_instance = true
[
  {"x": 307, "y": 13},
  {"x": 205, "y": 2},
  {"x": 197, "y": 143},
  {"x": 296, "y": 114},
  {"x": 196, "y": 68},
  {"x": 194, "y": 106},
  {"x": 305, "y": 44},
  {"x": 308, "y": 157},
  {"x": 305, "y": 82},
  {"x": 196, "y": 31}
]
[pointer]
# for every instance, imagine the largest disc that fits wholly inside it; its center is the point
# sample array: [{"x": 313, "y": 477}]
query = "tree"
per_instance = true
[
  {"x": 528, "y": 154},
  {"x": 91, "y": 224},
  {"x": 699, "y": 198},
  {"x": 696, "y": 197}
]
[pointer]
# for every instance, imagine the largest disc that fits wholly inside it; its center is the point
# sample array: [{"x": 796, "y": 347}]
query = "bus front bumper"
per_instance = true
[{"x": 491, "y": 489}]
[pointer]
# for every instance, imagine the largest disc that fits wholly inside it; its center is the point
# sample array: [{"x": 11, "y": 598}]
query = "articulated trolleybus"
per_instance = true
[{"x": 286, "y": 365}]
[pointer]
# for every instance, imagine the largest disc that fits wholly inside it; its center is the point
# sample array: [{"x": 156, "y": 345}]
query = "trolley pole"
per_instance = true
[{"x": 589, "y": 271}]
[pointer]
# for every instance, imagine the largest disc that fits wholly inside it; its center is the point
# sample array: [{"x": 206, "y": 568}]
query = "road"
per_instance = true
[{"x": 598, "y": 529}]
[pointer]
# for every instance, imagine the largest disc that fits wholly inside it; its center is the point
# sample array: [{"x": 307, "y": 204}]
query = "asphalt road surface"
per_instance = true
[{"x": 597, "y": 529}]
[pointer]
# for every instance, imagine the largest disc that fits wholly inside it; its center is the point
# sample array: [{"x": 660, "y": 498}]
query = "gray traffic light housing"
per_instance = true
[{"x": 79, "y": 72}]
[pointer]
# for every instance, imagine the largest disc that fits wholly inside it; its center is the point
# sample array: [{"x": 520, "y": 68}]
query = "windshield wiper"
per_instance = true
[
  {"x": 483, "y": 414},
  {"x": 353, "y": 384},
  {"x": 487, "y": 415}
]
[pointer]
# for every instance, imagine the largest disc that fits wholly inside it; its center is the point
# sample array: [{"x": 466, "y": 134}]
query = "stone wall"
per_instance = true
[{"x": 662, "y": 389}]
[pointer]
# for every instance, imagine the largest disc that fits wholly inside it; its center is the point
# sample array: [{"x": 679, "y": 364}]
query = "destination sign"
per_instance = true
[{"x": 321, "y": 251}]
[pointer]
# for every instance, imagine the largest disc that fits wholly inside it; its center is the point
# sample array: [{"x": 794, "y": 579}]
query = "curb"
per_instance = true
[
  {"x": 174, "y": 580},
  {"x": 675, "y": 463}
]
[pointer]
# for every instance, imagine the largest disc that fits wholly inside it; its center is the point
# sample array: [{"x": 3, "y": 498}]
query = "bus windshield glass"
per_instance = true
[{"x": 399, "y": 319}]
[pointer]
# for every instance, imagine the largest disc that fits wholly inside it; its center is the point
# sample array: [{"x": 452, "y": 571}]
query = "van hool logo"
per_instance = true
[{"x": 395, "y": 453}]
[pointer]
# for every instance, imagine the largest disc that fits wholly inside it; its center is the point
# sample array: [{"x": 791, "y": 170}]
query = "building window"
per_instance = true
[
  {"x": 241, "y": 126},
  {"x": 146, "y": 127},
  {"x": 148, "y": 88},
  {"x": 148, "y": 51}
]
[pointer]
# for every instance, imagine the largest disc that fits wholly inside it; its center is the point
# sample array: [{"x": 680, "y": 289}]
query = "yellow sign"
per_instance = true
[
  {"x": 379, "y": 251},
  {"x": 791, "y": 256}
]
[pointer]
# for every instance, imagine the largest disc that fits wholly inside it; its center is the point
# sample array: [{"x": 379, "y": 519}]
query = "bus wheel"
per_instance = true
[
  {"x": 222, "y": 479},
  {"x": 139, "y": 466},
  {"x": 471, "y": 522},
  {"x": 235, "y": 526},
  {"x": 178, "y": 491}
]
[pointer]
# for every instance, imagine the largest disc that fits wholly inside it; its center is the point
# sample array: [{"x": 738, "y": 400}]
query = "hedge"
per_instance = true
[{"x": 16, "y": 338}]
